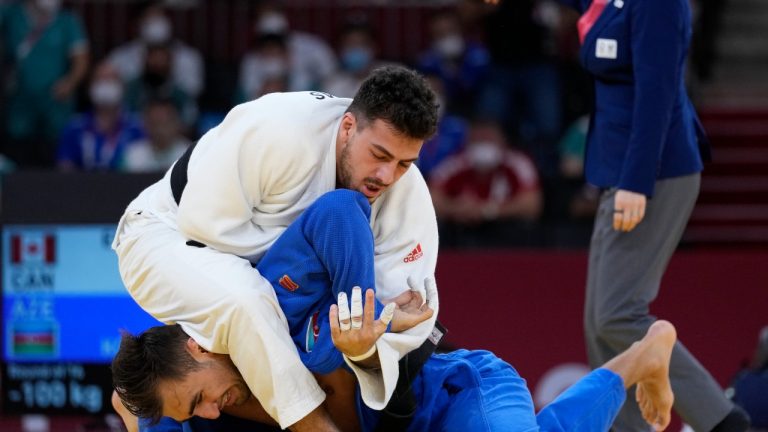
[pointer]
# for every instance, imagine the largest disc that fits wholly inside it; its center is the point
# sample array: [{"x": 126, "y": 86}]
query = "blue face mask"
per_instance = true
[{"x": 356, "y": 59}]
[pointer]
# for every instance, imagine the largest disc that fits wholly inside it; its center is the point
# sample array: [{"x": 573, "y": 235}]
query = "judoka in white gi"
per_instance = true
[{"x": 187, "y": 244}]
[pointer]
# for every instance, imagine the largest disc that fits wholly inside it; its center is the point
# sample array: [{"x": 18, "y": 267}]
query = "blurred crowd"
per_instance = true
[{"x": 508, "y": 154}]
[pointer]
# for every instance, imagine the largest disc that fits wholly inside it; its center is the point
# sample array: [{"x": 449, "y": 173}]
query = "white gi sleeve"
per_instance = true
[{"x": 406, "y": 242}]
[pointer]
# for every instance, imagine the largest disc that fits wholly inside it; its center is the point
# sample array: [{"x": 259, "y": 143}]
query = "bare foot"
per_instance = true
[{"x": 654, "y": 393}]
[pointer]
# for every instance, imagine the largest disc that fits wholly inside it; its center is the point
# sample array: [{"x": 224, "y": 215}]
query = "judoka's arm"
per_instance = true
[{"x": 340, "y": 398}]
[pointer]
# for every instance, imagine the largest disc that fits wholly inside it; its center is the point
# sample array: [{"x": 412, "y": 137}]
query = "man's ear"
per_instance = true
[
  {"x": 348, "y": 124},
  {"x": 195, "y": 350}
]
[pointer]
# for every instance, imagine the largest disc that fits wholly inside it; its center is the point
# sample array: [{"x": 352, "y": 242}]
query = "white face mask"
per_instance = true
[
  {"x": 272, "y": 23},
  {"x": 451, "y": 46},
  {"x": 484, "y": 155},
  {"x": 49, "y": 6},
  {"x": 106, "y": 93},
  {"x": 156, "y": 30}
]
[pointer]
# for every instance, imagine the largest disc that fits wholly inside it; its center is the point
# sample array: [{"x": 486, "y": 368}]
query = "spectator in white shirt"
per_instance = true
[
  {"x": 310, "y": 60},
  {"x": 164, "y": 143},
  {"x": 155, "y": 28}
]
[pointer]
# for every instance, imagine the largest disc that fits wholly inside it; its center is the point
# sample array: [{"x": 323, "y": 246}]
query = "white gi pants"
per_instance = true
[{"x": 223, "y": 303}]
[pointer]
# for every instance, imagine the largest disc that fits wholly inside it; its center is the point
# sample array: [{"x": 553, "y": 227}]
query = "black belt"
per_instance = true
[
  {"x": 179, "y": 182},
  {"x": 179, "y": 173},
  {"x": 399, "y": 412}
]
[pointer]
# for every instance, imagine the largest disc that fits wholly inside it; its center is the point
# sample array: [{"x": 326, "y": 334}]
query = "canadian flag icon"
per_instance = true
[{"x": 31, "y": 248}]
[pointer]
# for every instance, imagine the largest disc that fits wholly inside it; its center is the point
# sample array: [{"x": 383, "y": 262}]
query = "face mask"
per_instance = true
[
  {"x": 272, "y": 23},
  {"x": 356, "y": 59},
  {"x": 106, "y": 93},
  {"x": 484, "y": 155},
  {"x": 156, "y": 30},
  {"x": 49, "y": 6},
  {"x": 450, "y": 46},
  {"x": 273, "y": 68}
]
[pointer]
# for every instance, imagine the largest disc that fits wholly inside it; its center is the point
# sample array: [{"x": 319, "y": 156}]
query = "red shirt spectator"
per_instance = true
[{"x": 487, "y": 181}]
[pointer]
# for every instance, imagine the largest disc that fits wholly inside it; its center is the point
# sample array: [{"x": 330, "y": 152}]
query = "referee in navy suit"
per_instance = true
[{"x": 645, "y": 150}]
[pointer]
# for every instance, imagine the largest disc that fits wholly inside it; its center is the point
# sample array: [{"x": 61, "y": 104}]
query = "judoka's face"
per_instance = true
[
  {"x": 206, "y": 391},
  {"x": 372, "y": 156}
]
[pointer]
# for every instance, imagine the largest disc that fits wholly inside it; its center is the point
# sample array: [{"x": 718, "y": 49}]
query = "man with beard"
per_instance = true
[{"x": 187, "y": 245}]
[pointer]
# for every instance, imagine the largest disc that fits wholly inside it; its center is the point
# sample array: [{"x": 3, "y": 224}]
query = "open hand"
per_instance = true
[
  {"x": 354, "y": 332},
  {"x": 412, "y": 308}
]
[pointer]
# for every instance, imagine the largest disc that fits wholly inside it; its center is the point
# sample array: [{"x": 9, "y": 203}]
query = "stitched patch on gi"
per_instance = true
[
  {"x": 288, "y": 283},
  {"x": 313, "y": 331},
  {"x": 435, "y": 336}
]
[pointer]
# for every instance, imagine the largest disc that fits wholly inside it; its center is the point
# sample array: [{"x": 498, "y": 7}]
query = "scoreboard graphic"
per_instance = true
[{"x": 63, "y": 307}]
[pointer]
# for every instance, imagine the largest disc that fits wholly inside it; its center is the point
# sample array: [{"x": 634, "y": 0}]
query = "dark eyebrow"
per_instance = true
[
  {"x": 389, "y": 155},
  {"x": 193, "y": 404}
]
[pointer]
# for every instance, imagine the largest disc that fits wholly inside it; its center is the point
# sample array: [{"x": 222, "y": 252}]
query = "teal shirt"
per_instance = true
[{"x": 40, "y": 57}]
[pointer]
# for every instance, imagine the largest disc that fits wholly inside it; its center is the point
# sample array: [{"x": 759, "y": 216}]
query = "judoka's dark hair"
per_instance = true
[
  {"x": 144, "y": 361},
  {"x": 399, "y": 96}
]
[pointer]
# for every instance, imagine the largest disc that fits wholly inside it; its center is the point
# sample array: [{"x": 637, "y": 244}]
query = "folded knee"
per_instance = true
[{"x": 341, "y": 202}]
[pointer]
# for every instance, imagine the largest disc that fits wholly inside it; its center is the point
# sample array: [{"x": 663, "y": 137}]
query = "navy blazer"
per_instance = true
[{"x": 644, "y": 126}]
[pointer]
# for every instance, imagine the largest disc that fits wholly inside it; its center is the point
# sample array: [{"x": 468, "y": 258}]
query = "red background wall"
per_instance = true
[{"x": 527, "y": 306}]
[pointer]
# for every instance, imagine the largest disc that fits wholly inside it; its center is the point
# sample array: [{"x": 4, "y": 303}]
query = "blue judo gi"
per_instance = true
[{"x": 329, "y": 249}]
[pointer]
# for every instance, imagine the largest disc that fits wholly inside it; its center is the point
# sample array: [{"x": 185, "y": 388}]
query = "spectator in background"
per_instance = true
[
  {"x": 267, "y": 69},
  {"x": 484, "y": 195},
  {"x": 164, "y": 143},
  {"x": 155, "y": 28},
  {"x": 357, "y": 58},
  {"x": 309, "y": 61},
  {"x": 449, "y": 138},
  {"x": 523, "y": 88},
  {"x": 48, "y": 54},
  {"x": 461, "y": 64},
  {"x": 156, "y": 82},
  {"x": 96, "y": 141},
  {"x": 472, "y": 14}
]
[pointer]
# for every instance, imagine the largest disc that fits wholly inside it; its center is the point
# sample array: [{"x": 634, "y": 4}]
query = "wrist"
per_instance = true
[{"x": 365, "y": 356}]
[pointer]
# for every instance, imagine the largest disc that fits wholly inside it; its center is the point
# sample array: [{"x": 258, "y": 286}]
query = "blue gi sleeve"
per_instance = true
[{"x": 338, "y": 227}]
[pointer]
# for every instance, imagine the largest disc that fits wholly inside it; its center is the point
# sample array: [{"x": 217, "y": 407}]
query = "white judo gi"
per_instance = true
[{"x": 248, "y": 179}]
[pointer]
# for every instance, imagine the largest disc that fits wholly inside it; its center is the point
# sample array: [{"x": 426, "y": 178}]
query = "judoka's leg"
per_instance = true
[
  {"x": 332, "y": 235},
  {"x": 592, "y": 403}
]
